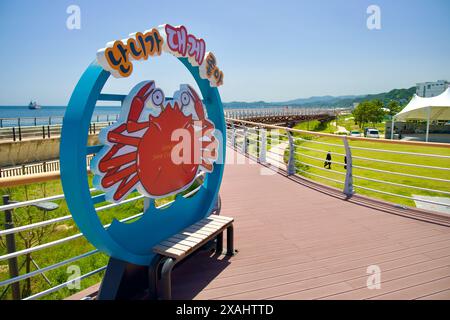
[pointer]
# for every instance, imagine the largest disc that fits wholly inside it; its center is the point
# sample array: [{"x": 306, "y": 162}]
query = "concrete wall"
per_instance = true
[{"x": 29, "y": 151}]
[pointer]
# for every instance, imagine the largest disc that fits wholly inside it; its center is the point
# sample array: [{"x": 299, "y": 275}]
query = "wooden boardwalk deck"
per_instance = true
[{"x": 297, "y": 243}]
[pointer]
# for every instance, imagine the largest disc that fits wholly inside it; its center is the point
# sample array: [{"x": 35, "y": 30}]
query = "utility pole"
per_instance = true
[{"x": 10, "y": 248}]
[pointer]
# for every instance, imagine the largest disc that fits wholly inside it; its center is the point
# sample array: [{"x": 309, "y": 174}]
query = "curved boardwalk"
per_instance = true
[{"x": 297, "y": 243}]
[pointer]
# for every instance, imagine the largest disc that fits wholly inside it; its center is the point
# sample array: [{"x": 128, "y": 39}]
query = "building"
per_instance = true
[{"x": 431, "y": 89}]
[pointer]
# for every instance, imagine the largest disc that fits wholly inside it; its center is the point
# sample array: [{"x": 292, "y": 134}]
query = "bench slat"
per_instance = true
[
  {"x": 193, "y": 234},
  {"x": 171, "y": 252},
  {"x": 178, "y": 245},
  {"x": 222, "y": 218},
  {"x": 182, "y": 237},
  {"x": 186, "y": 243},
  {"x": 211, "y": 223},
  {"x": 206, "y": 233},
  {"x": 206, "y": 227}
]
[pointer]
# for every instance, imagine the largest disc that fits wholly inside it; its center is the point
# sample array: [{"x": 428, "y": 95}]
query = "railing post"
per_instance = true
[
  {"x": 14, "y": 133},
  {"x": 233, "y": 136},
  {"x": 263, "y": 148},
  {"x": 20, "y": 134},
  {"x": 48, "y": 131},
  {"x": 43, "y": 132},
  {"x": 257, "y": 142},
  {"x": 244, "y": 144},
  {"x": 291, "y": 161},
  {"x": 348, "y": 186},
  {"x": 10, "y": 248}
]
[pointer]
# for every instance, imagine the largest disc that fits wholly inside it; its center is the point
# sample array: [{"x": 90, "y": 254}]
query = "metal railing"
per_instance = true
[
  {"x": 12, "y": 255},
  {"x": 304, "y": 151},
  {"x": 35, "y": 168},
  {"x": 255, "y": 113},
  {"x": 18, "y": 129},
  {"x": 21, "y": 122}
]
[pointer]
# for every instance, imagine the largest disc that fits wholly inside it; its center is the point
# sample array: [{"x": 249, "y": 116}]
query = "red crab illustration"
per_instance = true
[{"x": 140, "y": 152}]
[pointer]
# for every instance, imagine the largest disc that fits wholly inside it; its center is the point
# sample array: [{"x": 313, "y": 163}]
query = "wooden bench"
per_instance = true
[{"x": 181, "y": 245}]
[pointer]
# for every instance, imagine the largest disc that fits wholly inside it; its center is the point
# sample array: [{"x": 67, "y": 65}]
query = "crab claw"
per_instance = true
[
  {"x": 137, "y": 105},
  {"x": 198, "y": 105}
]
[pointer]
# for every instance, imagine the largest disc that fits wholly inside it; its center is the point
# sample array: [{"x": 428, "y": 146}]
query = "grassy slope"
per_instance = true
[
  {"x": 348, "y": 123},
  {"x": 337, "y": 172}
]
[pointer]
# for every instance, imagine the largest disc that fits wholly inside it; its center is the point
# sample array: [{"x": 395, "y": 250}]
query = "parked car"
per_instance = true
[
  {"x": 372, "y": 133},
  {"x": 355, "y": 133}
]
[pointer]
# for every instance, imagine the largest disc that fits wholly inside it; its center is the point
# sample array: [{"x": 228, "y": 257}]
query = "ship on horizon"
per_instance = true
[{"x": 33, "y": 105}]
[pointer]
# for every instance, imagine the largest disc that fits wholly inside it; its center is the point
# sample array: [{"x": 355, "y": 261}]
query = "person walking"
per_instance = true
[{"x": 327, "y": 163}]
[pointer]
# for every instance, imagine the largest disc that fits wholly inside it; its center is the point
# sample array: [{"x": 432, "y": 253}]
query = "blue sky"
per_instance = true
[{"x": 268, "y": 50}]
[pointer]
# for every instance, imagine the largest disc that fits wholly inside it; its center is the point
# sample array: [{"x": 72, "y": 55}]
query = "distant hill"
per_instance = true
[
  {"x": 313, "y": 100},
  {"x": 402, "y": 96}
]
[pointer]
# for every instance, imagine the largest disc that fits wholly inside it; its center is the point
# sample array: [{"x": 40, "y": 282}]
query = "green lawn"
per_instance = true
[
  {"x": 348, "y": 122},
  {"x": 302, "y": 153},
  {"x": 306, "y": 164}
]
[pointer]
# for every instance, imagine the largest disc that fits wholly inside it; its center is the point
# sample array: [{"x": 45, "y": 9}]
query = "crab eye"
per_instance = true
[
  {"x": 158, "y": 97},
  {"x": 185, "y": 99}
]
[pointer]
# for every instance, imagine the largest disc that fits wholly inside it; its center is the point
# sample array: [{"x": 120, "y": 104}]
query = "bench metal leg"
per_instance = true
[
  {"x": 219, "y": 243},
  {"x": 153, "y": 277},
  {"x": 166, "y": 282},
  {"x": 230, "y": 241}
]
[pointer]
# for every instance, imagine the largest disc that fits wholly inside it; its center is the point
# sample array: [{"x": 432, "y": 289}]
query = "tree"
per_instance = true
[
  {"x": 376, "y": 112},
  {"x": 394, "y": 108},
  {"x": 368, "y": 111}
]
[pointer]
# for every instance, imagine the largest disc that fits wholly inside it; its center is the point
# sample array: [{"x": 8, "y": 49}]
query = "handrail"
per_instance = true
[
  {"x": 348, "y": 184},
  {"x": 321, "y": 134}
]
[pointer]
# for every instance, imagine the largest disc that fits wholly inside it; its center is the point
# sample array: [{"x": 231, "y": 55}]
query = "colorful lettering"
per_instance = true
[
  {"x": 140, "y": 47},
  {"x": 175, "y": 40}
]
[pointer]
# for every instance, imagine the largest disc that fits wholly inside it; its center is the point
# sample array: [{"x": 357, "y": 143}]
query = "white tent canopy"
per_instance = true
[{"x": 419, "y": 108}]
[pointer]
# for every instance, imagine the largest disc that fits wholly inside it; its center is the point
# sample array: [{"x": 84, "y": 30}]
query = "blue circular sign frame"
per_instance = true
[{"x": 131, "y": 242}]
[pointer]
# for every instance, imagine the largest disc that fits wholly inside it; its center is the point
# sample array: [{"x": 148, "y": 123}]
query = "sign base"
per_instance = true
[{"x": 127, "y": 281}]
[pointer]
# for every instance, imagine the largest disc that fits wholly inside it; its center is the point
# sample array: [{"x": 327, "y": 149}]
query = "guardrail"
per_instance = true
[
  {"x": 12, "y": 254},
  {"x": 35, "y": 168},
  {"x": 256, "y": 113},
  {"x": 305, "y": 151},
  {"x": 21, "y": 122},
  {"x": 258, "y": 141},
  {"x": 43, "y": 132}
]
